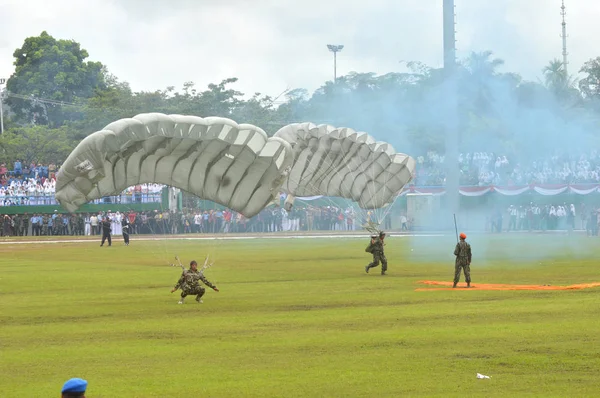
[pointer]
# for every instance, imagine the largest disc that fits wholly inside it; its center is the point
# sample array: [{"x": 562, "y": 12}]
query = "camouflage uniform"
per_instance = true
[
  {"x": 18, "y": 220},
  {"x": 190, "y": 285},
  {"x": 463, "y": 261},
  {"x": 79, "y": 223},
  {"x": 57, "y": 225},
  {"x": 376, "y": 248},
  {"x": 26, "y": 225},
  {"x": 44, "y": 225}
]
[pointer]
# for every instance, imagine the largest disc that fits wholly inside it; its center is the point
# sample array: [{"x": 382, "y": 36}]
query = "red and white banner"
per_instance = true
[
  {"x": 513, "y": 190},
  {"x": 584, "y": 189}
]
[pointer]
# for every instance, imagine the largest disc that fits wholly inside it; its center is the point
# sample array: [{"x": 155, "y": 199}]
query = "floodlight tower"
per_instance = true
[
  {"x": 451, "y": 111},
  {"x": 564, "y": 37},
  {"x": 335, "y": 48}
]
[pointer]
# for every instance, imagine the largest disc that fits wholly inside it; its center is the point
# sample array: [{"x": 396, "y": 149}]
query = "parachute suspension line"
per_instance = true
[
  {"x": 163, "y": 225},
  {"x": 374, "y": 217},
  {"x": 346, "y": 163},
  {"x": 155, "y": 229},
  {"x": 326, "y": 198},
  {"x": 390, "y": 207},
  {"x": 331, "y": 167},
  {"x": 218, "y": 226},
  {"x": 315, "y": 184},
  {"x": 372, "y": 189},
  {"x": 382, "y": 212},
  {"x": 210, "y": 229},
  {"x": 354, "y": 166}
]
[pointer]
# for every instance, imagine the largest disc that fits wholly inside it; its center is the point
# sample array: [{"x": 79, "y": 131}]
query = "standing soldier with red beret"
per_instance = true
[{"x": 463, "y": 260}]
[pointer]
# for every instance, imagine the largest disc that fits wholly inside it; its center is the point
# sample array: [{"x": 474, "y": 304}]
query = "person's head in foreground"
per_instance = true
[{"x": 74, "y": 388}]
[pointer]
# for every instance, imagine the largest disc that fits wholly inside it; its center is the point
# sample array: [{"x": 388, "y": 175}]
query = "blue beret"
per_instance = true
[{"x": 74, "y": 385}]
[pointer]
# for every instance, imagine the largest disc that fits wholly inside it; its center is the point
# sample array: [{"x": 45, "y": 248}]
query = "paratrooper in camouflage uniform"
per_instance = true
[
  {"x": 376, "y": 248},
  {"x": 189, "y": 283}
]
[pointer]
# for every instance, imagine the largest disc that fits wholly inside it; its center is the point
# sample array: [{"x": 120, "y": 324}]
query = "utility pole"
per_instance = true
[
  {"x": 335, "y": 48},
  {"x": 564, "y": 38},
  {"x": 2, "y": 81}
]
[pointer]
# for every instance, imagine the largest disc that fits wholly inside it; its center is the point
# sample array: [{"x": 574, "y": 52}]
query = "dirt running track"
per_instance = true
[{"x": 491, "y": 286}]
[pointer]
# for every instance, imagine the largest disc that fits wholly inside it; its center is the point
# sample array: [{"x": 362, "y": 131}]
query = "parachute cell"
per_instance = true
[
  {"x": 340, "y": 162},
  {"x": 235, "y": 165}
]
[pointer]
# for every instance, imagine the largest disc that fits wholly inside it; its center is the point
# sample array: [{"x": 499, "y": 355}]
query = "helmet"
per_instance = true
[
  {"x": 463, "y": 235},
  {"x": 381, "y": 233}
]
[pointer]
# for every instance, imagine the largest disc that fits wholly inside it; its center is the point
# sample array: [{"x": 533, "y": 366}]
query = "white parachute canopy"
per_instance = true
[
  {"x": 235, "y": 165},
  {"x": 340, "y": 162}
]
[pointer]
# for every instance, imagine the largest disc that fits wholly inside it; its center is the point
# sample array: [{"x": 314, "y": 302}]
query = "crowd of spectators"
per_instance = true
[
  {"x": 488, "y": 168},
  {"x": 551, "y": 217},
  {"x": 271, "y": 219},
  {"x": 35, "y": 185}
]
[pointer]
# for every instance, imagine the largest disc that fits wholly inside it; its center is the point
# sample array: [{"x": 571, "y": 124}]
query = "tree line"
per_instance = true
[{"x": 56, "y": 97}]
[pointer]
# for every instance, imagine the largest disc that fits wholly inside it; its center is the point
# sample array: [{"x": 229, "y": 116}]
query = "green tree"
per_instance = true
[
  {"x": 259, "y": 111},
  {"x": 293, "y": 109},
  {"x": 479, "y": 81},
  {"x": 219, "y": 99},
  {"x": 590, "y": 84},
  {"x": 55, "y": 71},
  {"x": 560, "y": 84},
  {"x": 37, "y": 144}
]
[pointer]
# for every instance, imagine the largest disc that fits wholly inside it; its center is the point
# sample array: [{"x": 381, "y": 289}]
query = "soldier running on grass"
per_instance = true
[
  {"x": 376, "y": 248},
  {"x": 463, "y": 260},
  {"x": 190, "y": 285}
]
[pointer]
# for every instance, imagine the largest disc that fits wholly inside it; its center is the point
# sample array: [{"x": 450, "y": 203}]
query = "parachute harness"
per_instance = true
[
  {"x": 201, "y": 270},
  {"x": 372, "y": 227}
]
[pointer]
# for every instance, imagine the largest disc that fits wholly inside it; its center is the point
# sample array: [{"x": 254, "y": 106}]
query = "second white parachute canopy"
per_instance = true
[
  {"x": 235, "y": 165},
  {"x": 341, "y": 162}
]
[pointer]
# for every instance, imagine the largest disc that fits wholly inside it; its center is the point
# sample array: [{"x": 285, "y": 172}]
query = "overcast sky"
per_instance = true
[{"x": 271, "y": 45}]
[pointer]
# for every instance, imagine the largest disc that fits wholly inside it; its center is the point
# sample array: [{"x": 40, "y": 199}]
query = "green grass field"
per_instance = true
[{"x": 299, "y": 318}]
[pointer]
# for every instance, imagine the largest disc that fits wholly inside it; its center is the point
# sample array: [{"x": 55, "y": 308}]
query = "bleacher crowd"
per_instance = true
[
  {"x": 487, "y": 168},
  {"x": 35, "y": 185}
]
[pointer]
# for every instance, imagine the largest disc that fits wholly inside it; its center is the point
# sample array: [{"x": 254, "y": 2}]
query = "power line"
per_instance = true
[
  {"x": 43, "y": 100},
  {"x": 71, "y": 104}
]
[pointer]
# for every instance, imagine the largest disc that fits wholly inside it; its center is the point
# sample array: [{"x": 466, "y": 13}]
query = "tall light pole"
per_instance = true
[
  {"x": 451, "y": 111},
  {"x": 563, "y": 13},
  {"x": 335, "y": 48},
  {"x": 2, "y": 81}
]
